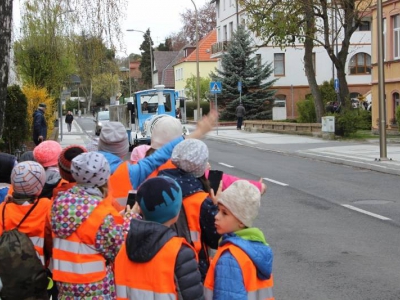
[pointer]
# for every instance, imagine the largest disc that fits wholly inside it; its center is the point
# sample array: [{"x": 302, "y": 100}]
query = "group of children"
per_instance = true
[{"x": 98, "y": 247}]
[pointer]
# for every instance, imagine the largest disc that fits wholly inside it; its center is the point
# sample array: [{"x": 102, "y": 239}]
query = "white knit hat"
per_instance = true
[
  {"x": 114, "y": 139},
  {"x": 243, "y": 200},
  {"x": 191, "y": 156},
  {"x": 164, "y": 130}
]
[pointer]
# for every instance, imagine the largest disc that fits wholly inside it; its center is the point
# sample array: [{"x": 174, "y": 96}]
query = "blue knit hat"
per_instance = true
[{"x": 160, "y": 199}]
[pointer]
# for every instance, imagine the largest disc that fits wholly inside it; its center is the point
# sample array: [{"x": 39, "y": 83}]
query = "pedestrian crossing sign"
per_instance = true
[{"x": 215, "y": 87}]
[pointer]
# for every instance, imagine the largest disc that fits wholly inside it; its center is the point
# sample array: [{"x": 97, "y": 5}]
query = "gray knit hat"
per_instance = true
[
  {"x": 243, "y": 200},
  {"x": 191, "y": 156},
  {"x": 90, "y": 169},
  {"x": 114, "y": 139}
]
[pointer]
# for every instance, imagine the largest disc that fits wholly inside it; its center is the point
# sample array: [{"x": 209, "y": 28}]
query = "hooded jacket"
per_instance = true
[
  {"x": 229, "y": 283},
  {"x": 145, "y": 239}
]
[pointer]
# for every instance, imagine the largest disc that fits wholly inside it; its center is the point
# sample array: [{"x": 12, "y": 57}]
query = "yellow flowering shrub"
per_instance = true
[{"x": 35, "y": 96}]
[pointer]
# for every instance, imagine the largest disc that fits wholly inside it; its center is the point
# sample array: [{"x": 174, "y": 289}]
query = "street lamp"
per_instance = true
[
  {"x": 197, "y": 62},
  {"x": 151, "y": 54}
]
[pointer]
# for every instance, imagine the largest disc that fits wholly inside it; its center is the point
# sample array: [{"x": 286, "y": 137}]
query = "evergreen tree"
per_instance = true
[
  {"x": 239, "y": 64},
  {"x": 146, "y": 59}
]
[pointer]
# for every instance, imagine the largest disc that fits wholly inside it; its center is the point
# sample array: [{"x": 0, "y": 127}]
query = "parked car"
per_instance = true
[{"x": 102, "y": 117}]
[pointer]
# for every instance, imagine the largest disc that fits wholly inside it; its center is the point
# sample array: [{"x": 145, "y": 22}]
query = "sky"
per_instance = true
[
  {"x": 161, "y": 16},
  {"x": 164, "y": 20}
]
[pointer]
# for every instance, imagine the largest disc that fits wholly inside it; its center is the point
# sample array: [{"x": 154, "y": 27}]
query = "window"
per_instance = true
[
  {"x": 396, "y": 36},
  {"x": 258, "y": 60},
  {"x": 225, "y": 33},
  {"x": 364, "y": 26},
  {"x": 396, "y": 102},
  {"x": 279, "y": 64},
  {"x": 179, "y": 74},
  {"x": 231, "y": 30},
  {"x": 224, "y": 4},
  {"x": 280, "y": 101},
  {"x": 360, "y": 64}
]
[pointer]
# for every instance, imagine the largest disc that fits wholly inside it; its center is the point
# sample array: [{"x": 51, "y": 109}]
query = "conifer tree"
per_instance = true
[{"x": 240, "y": 64}]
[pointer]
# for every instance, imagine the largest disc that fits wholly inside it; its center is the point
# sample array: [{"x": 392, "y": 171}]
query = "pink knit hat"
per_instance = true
[
  {"x": 47, "y": 153},
  {"x": 139, "y": 152}
]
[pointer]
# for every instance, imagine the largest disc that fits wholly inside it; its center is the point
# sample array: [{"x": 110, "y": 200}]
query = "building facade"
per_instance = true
[
  {"x": 288, "y": 64},
  {"x": 391, "y": 57}
]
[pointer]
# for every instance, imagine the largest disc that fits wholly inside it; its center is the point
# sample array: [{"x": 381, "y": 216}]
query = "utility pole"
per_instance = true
[{"x": 197, "y": 63}]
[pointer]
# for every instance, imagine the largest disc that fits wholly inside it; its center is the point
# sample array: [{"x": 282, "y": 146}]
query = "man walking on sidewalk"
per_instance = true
[
  {"x": 39, "y": 125},
  {"x": 68, "y": 119},
  {"x": 240, "y": 113}
]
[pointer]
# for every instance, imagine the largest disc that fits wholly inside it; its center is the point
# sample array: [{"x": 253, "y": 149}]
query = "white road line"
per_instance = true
[
  {"x": 274, "y": 181},
  {"x": 251, "y": 142},
  {"x": 226, "y": 165},
  {"x": 366, "y": 212}
]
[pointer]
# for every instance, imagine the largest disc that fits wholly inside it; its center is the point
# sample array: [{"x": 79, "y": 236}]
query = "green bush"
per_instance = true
[
  {"x": 346, "y": 123},
  {"x": 192, "y": 105},
  {"x": 398, "y": 116},
  {"x": 16, "y": 126},
  {"x": 306, "y": 111},
  {"x": 364, "y": 119}
]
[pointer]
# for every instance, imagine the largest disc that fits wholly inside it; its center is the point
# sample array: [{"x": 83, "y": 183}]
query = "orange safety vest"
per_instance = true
[
  {"x": 33, "y": 226},
  {"x": 119, "y": 185},
  {"x": 148, "y": 280},
  {"x": 192, "y": 205},
  {"x": 75, "y": 259},
  {"x": 256, "y": 288},
  {"x": 167, "y": 165}
]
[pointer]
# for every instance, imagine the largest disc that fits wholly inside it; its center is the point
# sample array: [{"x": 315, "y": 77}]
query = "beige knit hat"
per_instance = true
[
  {"x": 243, "y": 200},
  {"x": 164, "y": 130}
]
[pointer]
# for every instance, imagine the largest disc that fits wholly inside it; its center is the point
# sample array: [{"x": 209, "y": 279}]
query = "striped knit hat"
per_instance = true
[{"x": 64, "y": 161}]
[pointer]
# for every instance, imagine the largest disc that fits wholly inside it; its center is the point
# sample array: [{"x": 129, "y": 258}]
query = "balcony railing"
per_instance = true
[{"x": 219, "y": 47}]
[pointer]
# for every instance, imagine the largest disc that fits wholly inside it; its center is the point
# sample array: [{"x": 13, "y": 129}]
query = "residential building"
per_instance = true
[
  {"x": 288, "y": 64},
  {"x": 391, "y": 56},
  {"x": 163, "y": 72},
  {"x": 186, "y": 66}
]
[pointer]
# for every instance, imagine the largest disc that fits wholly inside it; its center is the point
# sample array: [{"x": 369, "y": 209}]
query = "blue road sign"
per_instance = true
[
  {"x": 336, "y": 85},
  {"x": 215, "y": 87},
  {"x": 239, "y": 86}
]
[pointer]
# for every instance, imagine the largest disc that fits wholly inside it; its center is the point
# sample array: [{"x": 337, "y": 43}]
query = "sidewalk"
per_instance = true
[
  {"x": 364, "y": 154},
  {"x": 77, "y": 136}
]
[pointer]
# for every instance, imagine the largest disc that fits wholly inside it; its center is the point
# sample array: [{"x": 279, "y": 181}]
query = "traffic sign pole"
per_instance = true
[{"x": 216, "y": 107}]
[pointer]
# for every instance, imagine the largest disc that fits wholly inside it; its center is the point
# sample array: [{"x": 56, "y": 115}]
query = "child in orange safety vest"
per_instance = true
[
  {"x": 154, "y": 263},
  {"x": 242, "y": 267}
]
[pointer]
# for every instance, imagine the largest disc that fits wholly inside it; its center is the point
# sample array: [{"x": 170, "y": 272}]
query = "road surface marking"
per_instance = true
[
  {"x": 89, "y": 130},
  {"x": 251, "y": 142},
  {"x": 226, "y": 165},
  {"x": 274, "y": 181},
  {"x": 366, "y": 212}
]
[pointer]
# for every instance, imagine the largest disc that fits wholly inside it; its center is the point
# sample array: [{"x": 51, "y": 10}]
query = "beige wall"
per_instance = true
[
  {"x": 189, "y": 69},
  {"x": 391, "y": 65}
]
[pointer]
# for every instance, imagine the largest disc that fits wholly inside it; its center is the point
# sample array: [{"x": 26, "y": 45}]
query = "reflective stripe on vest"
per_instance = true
[
  {"x": 74, "y": 247},
  {"x": 125, "y": 292},
  {"x": 78, "y": 268},
  {"x": 38, "y": 242},
  {"x": 257, "y": 289}
]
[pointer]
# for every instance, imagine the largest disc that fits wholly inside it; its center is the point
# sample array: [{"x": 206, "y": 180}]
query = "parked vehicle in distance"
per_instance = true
[{"x": 101, "y": 118}]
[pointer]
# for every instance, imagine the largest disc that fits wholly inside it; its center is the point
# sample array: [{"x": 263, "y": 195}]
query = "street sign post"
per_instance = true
[
  {"x": 216, "y": 88},
  {"x": 336, "y": 85}
]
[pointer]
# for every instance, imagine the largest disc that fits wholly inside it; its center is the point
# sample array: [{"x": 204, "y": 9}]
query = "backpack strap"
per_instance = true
[{"x": 23, "y": 219}]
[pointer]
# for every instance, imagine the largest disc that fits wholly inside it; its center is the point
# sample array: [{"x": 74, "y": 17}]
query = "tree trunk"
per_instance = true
[
  {"x": 308, "y": 63},
  {"x": 5, "y": 42}
]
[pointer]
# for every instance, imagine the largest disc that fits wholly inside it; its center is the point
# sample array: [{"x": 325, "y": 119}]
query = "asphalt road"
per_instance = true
[
  {"x": 334, "y": 229},
  {"x": 323, "y": 250}
]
